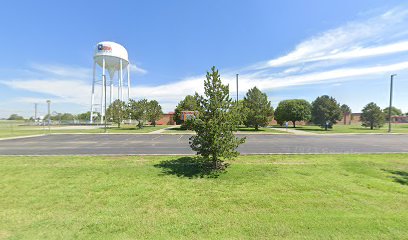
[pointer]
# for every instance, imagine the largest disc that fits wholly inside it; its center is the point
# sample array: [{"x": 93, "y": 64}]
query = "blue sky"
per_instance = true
[{"x": 289, "y": 49}]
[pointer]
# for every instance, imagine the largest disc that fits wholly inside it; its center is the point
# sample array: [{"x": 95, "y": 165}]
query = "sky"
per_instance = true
[{"x": 289, "y": 49}]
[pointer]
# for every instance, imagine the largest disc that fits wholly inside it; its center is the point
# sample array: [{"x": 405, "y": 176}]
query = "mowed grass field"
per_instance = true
[
  {"x": 164, "y": 197},
  {"x": 18, "y": 128},
  {"x": 354, "y": 128},
  {"x": 242, "y": 130}
]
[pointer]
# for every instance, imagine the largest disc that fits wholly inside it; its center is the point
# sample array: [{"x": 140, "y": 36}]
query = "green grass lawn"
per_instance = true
[
  {"x": 259, "y": 197},
  {"x": 18, "y": 128},
  {"x": 14, "y": 129},
  {"x": 178, "y": 129},
  {"x": 260, "y": 130},
  {"x": 396, "y": 128},
  {"x": 240, "y": 129},
  {"x": 113, "y": 129}
]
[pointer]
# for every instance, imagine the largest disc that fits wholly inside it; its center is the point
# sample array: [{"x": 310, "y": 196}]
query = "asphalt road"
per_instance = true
[{"x": 132, "y": 144}]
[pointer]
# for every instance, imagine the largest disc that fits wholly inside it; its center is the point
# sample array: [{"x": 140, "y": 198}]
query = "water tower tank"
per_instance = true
[{"x": 112, "y": 53}]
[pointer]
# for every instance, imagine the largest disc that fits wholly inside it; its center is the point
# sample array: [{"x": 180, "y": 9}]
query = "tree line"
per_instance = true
[
  {"x": 140, "y": 110},
  {"x": 255, "y": 111}
]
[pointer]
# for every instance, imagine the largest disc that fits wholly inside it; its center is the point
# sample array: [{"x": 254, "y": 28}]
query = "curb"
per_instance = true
[
  {"x": 190, "y": 154},
  {"x": 20, "y": 137}
]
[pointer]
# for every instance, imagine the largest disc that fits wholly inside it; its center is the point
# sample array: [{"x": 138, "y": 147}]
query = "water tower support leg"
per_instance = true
[
  {"x": 93, "y": 94},
  {"x": 110, "y": 91},
  {"x": 103, "y": 90},
  {"x": 128, "y": 80},
  {"x": 121, "y": 80}
]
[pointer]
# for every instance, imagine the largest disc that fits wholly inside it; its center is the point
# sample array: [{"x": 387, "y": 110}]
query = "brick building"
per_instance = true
[{"x": 166, "y": 119}]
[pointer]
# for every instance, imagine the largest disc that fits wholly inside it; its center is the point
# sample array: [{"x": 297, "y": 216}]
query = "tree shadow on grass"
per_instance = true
[
  {"x": 400, "y": 177},
  {"x": 189, "y": 167},
  {"x": 135, "y": 128},
  {"x": 176, "y": 129},
  {"x": 250, "y": 130},
  {"x": 312, "y": 129},
  {"x": 179, "y": 129}
]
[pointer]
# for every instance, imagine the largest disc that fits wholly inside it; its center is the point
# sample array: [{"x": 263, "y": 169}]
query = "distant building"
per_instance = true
[
  {"x": 166, "y": 119},
  {"x": 356, "y": 117},
  {"x": 399, "y": 119}
]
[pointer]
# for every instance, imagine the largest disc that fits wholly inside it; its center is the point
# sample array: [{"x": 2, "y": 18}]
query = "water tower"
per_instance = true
[{"x": 113, "y": 58}]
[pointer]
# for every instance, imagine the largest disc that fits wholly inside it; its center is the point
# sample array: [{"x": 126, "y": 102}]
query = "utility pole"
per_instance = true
[
  {"x": 389, "y": 109},
  {"x": 237, "y": 86},
  {"x": 49, "y": 115},
  {"x": 35, "y": 112}
]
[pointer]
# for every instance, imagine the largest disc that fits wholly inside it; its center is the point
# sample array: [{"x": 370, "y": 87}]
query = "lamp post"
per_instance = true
[
  {"x": 49, "y": 115},
  {"x": 35, "y": 113},
  {"x": 389, "y": 109}
]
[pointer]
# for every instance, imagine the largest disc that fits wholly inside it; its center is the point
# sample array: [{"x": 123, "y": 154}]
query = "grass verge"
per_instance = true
[
  {"x": 396, "y": 128},
  {"x": 168, "y": 197},
  {"x": 242, "y": 130},
  {"x": 16, "y": 129}
]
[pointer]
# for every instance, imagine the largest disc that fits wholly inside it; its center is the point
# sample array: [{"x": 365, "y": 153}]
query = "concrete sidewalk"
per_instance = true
[
  {"x": 160, "y": 131},
  {"x": 295, "y": 131}
]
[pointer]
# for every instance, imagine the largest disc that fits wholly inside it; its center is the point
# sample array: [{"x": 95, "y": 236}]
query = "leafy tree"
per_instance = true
[
  {"x": 87, "y": 115},
  {"x": 258, "y": 108},
  {"x": 116, "y": 111},
  {"x": 51, "y": 117},
  {"x": 216, "y": 123},
  {"x": 372, "y": 116},
  {"x": 325, "y": 111},
  {"x": 189, "y": 103},
  {"x": 84, "y": 116},
  {"x": 293, "y": 110},
  {"x": 137, "y": 111},
  {"x": 15, "y": 117},
  {"x": 394, "y": 112},
  {"x": 153, "y": 111},
  {"x": 346, "y": 110},
  {"x": 57, "y": 116},
  {"x": 67, "y": 117}
]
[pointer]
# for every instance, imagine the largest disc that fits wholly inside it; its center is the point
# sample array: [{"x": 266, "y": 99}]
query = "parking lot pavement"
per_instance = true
[{"x": 162, "y": 144}]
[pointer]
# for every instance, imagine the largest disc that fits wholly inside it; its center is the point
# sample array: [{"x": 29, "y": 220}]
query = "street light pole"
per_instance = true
[
  {"x": 389, "y": 109},
  {"x": 49, "y": 115},
  {"x": 35, "y": 113}
]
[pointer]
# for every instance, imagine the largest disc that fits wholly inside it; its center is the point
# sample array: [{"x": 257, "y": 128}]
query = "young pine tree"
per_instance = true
[
  {"x": 216, "y": 123},
  {"x": 258, "y": 109}
]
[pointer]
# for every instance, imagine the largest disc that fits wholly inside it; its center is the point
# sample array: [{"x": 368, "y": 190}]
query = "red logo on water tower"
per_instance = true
[{"x": 104, "y": 48}]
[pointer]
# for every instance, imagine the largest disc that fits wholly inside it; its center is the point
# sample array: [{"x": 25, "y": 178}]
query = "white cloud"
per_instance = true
[
  {"x": 61, "y": 71},
  {"x": 344, "y": 74},
  {"x": 136, "y": 69},
  {"x": 349, "y": 41},
  {"x": 68, "y": 91}
]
